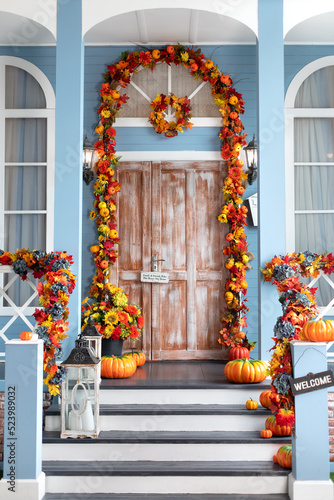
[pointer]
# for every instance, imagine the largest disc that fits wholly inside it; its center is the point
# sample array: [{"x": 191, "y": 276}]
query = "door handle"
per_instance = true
[{"x": 155, "y": 261}]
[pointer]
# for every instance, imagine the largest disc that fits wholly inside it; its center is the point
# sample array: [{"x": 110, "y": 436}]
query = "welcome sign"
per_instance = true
[{"x": 312, "y": 382}]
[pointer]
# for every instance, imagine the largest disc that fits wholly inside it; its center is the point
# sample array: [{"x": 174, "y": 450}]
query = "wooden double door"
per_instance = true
[{"x": 169, "y": 210}]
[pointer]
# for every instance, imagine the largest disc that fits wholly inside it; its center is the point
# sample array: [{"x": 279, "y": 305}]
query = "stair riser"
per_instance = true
[
  {"x": 161, "y": 452},
  {"x": 167, "y": 484},
  {"x": 251, "y": 422},
  {"x": 181, "y": 396}
]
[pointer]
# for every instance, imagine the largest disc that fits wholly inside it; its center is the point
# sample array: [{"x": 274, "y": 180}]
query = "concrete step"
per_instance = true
[
  {"x": 227, "y": 393},
  {"x": 171, "y": 417},
  {"x": 174, "y": 477},
  {"x": 163, "y": 446},
  {"x": 155, "y": 496}
]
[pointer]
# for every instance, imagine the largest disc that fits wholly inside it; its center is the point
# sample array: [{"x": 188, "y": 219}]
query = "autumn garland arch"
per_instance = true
[{"x": 231, "y": 105}]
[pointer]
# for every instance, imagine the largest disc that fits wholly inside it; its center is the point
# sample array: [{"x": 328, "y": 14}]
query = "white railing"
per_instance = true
[
  {"x": 14, "y": 311},
  {"x": 327, "y": 309}
]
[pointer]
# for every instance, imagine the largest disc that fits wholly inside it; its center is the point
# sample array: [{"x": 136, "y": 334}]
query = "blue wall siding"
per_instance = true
[
  {"x": 43, "y": 57},
  {"x": 240, "y": 62},
  {"x": 298, "y": 56}
]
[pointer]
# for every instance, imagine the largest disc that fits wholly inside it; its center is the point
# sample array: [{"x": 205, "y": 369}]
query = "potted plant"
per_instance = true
[{"x": 115, "y": 319}]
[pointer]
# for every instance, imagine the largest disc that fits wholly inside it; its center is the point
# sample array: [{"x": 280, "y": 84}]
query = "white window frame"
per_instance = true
[
  {"x": 49, "y": 114},
  {"x": 291, "y": 113}
]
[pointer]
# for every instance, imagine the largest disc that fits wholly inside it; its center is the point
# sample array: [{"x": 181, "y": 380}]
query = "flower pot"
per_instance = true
[{"x": 112, "y": 347}]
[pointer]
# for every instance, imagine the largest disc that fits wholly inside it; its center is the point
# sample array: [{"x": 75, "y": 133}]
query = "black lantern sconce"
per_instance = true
[
  {"x": 251, "y": 159},
  {"x": 88, "y": 151}
]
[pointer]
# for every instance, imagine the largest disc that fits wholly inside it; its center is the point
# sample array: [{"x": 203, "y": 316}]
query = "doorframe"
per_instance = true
[{"x": 169, "y": 155}]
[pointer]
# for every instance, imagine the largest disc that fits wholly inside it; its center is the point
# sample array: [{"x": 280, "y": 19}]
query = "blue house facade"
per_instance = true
[{"x": 280, "y": 57}]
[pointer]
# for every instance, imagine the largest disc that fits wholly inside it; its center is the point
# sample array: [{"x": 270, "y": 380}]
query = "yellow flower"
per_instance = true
[
  {"x": 111, "y": 317},
  {"x": 92, "y": 215},
  {"x": 105, "y": 113},
  {"x": 184, "y": 56},
  {"x": 120, "y": 299},
  {"x": 104, "y": 229},
  {"x": 108, "y": 331},
  {"x": 103, "y": 179}
]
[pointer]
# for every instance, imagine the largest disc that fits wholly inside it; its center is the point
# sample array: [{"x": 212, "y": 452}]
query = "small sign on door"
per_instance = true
[{"x": 154, "y": 277}]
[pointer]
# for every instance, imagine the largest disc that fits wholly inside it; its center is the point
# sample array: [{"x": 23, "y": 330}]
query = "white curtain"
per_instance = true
[
  {"x": 25, "y": 180},
  {"x": 314, "y": 143}
]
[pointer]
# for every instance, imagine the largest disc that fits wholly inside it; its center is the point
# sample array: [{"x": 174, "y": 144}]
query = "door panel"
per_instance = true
[{"x": 170, "y": 209}]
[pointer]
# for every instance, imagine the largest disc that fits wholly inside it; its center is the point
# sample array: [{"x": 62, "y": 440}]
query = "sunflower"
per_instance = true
[{"x": 111, "y": 318}]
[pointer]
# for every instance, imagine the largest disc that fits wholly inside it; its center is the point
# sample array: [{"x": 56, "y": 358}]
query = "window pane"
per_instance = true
[
  {"x": 317, "y": 91},
  {"x": 314, "y": 187},
  {"x": 22, "y": 90},
  {"x": 25, "y": 231},
  {"x": 25, "y": 140},
  {"x": 25, "y": 188},
  {"x": 314, "y": 140},
  {"x": 314, "y": 232}
]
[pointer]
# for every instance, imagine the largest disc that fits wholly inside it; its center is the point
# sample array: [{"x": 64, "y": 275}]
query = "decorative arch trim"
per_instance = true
[{"x": 301, "y": 76}]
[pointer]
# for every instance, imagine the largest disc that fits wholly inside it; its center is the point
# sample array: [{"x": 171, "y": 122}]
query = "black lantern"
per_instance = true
[
  {"x": 80, "y": 393},
  {"x": 251, "y": 159},
  {"x": 88, "y": 151}
]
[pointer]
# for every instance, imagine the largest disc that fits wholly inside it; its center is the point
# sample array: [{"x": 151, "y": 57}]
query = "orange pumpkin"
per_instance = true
[
  {"x": 122, "y": 64},
  {"x": 266, "y": 434},
  {"x": 104, "y": 264},
  {"x": 276, "y": 429},
  {"x": 170, "y": 49},
  {"x": 226, "y": 80},
  {"x": 208, "y": 64},
  {"x": 117, "y": 366},
  {"x": 251, "y": 404},
  {"x": 284, "y": 456},
  {"x": 194, "y": 67},
  {"x": 104, "y": 212},
  {"x": 233, "y": 115},
  {"x": 94, "y": 248},
  {"x": 265, "y": 399},
  {"x": 318, "y": 331},
  {"x": 26, "y": 335},
  {"x": 138, "y": 356},
  {"x": 238, "y": 352},
  {"x": 111, "y": 190},
  {"x": 155, "y": 54},
  {"x": 244, "y": 371},
  {"x": 239, "y": 163}
]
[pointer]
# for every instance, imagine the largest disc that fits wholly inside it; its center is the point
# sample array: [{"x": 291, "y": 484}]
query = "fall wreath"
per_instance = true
[{"x": 182, "y": 114}]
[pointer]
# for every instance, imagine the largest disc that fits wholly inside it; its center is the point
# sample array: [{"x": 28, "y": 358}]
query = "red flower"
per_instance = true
[
  {"x": 116, "y": 333},
  {"x": 134, "y": 333},
  {"x": 140, "y": 321}
]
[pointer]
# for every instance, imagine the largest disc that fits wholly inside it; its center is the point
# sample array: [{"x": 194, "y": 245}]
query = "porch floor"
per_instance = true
[{"x": 195, "y": 374}]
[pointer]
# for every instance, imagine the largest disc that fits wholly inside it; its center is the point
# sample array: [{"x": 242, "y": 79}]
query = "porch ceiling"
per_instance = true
[{"x": 143, "y": 22}]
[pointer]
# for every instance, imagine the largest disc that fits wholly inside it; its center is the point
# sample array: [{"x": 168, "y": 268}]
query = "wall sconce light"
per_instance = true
[
  {"x": 251, "y": 159},
  {"x": 88, "y": 151}
]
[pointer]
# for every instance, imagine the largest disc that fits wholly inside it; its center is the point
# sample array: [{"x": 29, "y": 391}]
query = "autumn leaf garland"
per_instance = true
[
  {"x": 298, "y": 306},
  {"x": 231, "y": 106},
  {"x": 58, "y": 283}
]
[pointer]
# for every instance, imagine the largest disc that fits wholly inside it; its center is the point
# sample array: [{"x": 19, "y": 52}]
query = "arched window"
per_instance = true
[
  {"x": 145, "y": 85},
  {"x": 27, "y": 111},
  {"x": 310, "y": 163}
]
